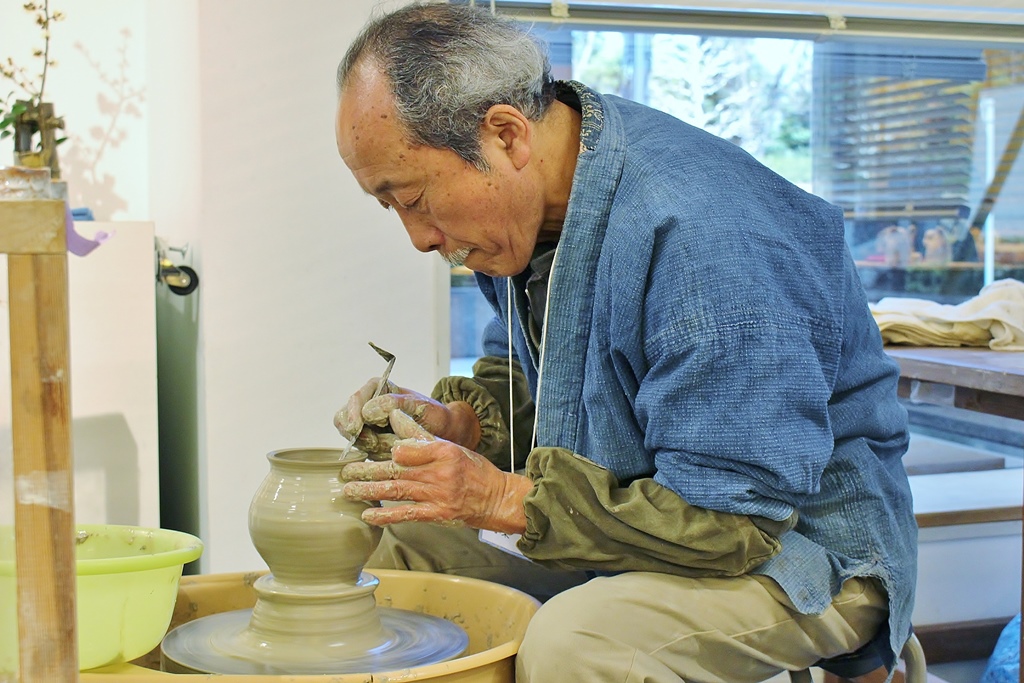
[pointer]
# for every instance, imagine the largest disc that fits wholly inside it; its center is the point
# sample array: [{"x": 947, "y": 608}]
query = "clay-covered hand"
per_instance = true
[
  {"x": 435, "y": 480},
  {"x": 366, "y": 419}
]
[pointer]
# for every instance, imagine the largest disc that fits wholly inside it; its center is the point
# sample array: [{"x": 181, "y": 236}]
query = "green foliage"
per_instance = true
[
  {"x": 8, "y": 115},
  {"x": 794, "y": 166},
  {"x": 32, "y": 87},
  {"x": 753, "y": 92}
]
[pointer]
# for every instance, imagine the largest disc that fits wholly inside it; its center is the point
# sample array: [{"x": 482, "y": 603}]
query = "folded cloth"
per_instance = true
[{"x": 993, "y": 318}]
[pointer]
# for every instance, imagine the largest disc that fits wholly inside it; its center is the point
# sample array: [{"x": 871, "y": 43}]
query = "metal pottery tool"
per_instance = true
[{"x": 390, "y": 358}]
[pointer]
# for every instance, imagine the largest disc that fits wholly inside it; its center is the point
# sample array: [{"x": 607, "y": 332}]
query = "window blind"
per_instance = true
[
  {"x": 988, "y": 23},
  {"x": 894, "y": 128}
]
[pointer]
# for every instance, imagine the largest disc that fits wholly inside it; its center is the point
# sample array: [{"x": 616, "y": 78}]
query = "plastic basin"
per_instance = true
[{"x": 127, "y": 583}]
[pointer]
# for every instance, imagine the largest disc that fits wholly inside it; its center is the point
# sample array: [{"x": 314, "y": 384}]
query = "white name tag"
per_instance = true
[{"x": 503, "y": 542}]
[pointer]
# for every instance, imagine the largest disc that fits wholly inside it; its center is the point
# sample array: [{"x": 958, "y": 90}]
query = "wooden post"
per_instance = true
[{"x": 32, "y": 233}]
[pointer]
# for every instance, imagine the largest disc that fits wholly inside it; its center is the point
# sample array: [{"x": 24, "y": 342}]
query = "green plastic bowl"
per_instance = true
[{"x": 126, "y": 588}]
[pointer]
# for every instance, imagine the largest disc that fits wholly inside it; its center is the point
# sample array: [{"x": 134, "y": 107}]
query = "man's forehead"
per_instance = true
[
  {"x": 364, "y": 97},
  {"x": 366, "y": 85},
  {"x": 366, "y": 125}
]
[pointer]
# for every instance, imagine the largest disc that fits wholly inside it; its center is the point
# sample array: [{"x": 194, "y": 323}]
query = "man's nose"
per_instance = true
[{"x": 423, "y": 235}]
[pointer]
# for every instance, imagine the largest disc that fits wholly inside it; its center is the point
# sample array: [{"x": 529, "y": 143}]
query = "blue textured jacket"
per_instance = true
[{"x": 707, "y": 327}]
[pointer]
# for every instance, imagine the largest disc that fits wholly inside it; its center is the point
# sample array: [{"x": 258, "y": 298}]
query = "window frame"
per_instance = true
[{"x": 763, "y": 21}]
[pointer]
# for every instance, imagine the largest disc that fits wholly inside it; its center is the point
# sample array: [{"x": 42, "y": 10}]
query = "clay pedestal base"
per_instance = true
[{"x": 362, "y": 637}]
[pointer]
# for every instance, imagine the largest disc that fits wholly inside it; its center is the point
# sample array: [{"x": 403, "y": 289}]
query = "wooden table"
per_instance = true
[
  {"x": 32, "y": 234},
  {"x": 981, "y": 380}
]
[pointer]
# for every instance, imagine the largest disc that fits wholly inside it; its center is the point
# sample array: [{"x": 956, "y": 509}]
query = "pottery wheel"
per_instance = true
[{"x": 219, "y": 644}]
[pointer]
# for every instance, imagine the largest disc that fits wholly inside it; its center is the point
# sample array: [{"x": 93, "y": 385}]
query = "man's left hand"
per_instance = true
[{"x": 437, "y": 481}]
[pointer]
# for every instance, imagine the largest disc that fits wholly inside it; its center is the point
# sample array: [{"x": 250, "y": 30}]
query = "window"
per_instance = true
[{"x": 915, "y": 137}]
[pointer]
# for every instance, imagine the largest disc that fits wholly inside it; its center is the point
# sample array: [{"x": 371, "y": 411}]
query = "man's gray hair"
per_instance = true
[{"x": 447, "y": 65}]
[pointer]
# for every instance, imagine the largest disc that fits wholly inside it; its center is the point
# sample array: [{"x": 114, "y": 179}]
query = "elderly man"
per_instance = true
[{"x": 681, "y": 346}]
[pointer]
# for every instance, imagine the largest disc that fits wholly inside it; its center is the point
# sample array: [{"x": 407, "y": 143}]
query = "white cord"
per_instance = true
[{"x": 511, "y": 395}]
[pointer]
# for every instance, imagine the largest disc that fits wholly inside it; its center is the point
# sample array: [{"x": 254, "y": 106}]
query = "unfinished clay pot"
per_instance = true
[
  {"x": 303, "y": 528},
  {"x": 315, "y": 611}
]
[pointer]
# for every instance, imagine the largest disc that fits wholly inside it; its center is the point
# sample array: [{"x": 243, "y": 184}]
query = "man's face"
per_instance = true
[{"x": 487, "y": 220}]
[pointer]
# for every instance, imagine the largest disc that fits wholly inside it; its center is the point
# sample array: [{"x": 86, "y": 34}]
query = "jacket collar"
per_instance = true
[{"x": 571, "y": 298}]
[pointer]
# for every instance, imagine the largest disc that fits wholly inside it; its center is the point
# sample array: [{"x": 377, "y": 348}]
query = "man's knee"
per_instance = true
[{"x": 567, "y": 623}]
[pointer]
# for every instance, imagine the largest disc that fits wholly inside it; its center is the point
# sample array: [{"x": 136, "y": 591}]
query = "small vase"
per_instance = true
[
  {"x": 302, "y": 526},
  {"x": 316, "y": 599},
  {"x": 315, "y": 610}
]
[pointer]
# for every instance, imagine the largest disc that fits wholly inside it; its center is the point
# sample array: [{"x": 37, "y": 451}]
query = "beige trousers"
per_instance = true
[{"x": 647, "y": 627}]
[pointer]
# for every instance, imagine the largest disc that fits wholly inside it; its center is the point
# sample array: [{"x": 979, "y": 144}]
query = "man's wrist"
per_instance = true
[{"x": 510, "y": 515}]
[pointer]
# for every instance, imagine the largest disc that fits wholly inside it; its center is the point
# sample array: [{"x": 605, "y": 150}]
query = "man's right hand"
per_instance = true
[
  {"x": 366, "y": 419},
  {"x": 434, "y": 480}
]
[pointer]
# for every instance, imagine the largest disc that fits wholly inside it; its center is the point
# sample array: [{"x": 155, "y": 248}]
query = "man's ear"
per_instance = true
[{"x": 506, "y": 131}]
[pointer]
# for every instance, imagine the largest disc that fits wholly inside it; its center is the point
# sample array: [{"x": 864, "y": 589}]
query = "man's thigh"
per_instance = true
[{"x": 654, "y": 627}]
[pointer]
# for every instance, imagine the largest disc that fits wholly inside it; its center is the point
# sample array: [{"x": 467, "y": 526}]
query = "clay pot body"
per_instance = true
[
  {"x": 301, "y": 525},
  {"x": 316, "y": 598}
]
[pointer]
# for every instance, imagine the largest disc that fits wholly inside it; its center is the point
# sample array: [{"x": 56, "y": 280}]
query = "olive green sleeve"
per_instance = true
[
  {"x": 487, "y": 391},
  {"x": 579, "y": 518}
]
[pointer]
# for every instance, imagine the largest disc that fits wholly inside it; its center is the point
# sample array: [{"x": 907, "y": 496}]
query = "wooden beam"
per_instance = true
[
  {"x": 978, "y": 400},
  {"x": 43, "y": 474},
  {"x": 960, "y": 641},
  {"x": 32, "y": 227},
  {"x": 1000, "y": 372},
  {"x": 978, "y": 516}
]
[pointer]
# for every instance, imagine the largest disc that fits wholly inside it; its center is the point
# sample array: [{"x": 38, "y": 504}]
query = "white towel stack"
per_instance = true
[{"x": 993, "y": 318}]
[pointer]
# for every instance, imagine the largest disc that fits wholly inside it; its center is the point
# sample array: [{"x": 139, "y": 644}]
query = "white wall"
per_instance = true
[
  {"x": 99, "y": 87},
  {"x": 228, "y": 145},
  {"x": 113, "y": 381},
  {"x": 300, "y": 268}
]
